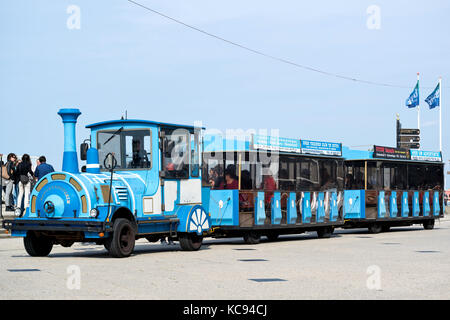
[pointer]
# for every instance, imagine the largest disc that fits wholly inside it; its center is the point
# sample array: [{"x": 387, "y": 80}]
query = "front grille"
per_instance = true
[{"x": 121, "y": 192}]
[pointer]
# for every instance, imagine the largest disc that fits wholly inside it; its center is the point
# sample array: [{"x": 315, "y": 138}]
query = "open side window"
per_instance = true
[{"x": 175, "y": 153}]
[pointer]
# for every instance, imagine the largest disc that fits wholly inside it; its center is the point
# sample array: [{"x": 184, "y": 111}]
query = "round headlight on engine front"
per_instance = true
[{"x": 93, "y": 213}]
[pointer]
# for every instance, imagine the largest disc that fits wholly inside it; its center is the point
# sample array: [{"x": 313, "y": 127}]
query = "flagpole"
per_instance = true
[
  {"x": 440, "y": 114},
  {"x": 418, "y": 106}
]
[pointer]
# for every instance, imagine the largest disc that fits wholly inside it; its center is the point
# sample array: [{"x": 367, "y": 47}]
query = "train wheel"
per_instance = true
[
  {"x": 325, "y": 232},
  {"x": 123, "y": 239},
  {"x": 252, "y": 238},
  {"x": 190, "y": 241},
  {"x": 375, "y": 228},
  {"x": 429, "y": 224},
  {"x": 385, "y": 228},
  {"x": 272, "y": 236},
  {"x": 37, "y": 246}
]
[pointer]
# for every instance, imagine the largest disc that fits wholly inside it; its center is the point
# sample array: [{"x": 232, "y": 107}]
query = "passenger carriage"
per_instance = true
[
  {"x": 284, "y": 186},
  {"x": 390, "y": 187},
  {"x": 142, "y": 180}
]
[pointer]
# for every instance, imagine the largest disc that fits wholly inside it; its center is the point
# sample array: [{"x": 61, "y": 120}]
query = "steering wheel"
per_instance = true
[{"x": 110, "y": 161}]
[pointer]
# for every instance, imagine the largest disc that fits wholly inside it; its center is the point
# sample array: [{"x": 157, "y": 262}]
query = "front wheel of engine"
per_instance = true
[
  {"x": 37, "y": 245},
  {"x": 123, "y": 239}
]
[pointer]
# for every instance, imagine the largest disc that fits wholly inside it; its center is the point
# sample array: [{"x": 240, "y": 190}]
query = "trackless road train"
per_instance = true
[{"x": 147, "y": 179}]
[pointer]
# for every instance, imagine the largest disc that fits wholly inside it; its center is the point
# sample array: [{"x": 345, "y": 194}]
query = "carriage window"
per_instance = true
[
  {"x": 416, "y": 176},
  {"x": 328, "y": 177},
  {"x": 195, "y": 155},
  {"x": 286, "y": 175},
  {"x": 175, "y": 153},
  {"x": 354, "y": 175},
  {"x": 399, "y": 181},
  {"x": 307, "y": 174},
  {"x": 131, "y": 148},
  {"x": 374, "y": 175}
]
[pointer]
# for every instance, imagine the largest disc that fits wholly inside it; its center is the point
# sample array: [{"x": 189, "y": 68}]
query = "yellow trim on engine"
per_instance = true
[
  {"x": 41, "y": 184},
  {"x": 58, "y": 176},
  {"x": 83, "y": 203},
  {"x": 73, "y": 182},
  {"x": 33, "y": 204}
]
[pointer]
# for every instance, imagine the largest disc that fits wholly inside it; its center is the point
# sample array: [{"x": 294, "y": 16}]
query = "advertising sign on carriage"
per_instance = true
[
  {"x": 321, "y": 147},
  {"x": 426, "y": 155},
  {"x": 275, "y": 143}
]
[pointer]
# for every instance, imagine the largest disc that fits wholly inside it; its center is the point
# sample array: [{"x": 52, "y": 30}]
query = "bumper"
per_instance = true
[{"x": 56, "y": 225}]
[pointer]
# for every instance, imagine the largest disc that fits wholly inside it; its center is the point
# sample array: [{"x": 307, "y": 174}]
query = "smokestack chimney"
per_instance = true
[{"x": 70, "y": 158}]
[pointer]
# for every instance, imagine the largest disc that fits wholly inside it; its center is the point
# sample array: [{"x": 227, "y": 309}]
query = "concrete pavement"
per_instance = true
[{"x": 407, "y": 263}]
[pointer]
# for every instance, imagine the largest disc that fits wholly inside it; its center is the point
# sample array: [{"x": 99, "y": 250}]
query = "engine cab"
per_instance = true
[{"x": 142, "y": 179}]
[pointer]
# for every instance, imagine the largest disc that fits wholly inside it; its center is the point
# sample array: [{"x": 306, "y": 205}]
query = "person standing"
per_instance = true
[
  {"x": 25, "y": 175},
  {"x": 43, "y": 168},
  {"x": 9, "y": 177}
]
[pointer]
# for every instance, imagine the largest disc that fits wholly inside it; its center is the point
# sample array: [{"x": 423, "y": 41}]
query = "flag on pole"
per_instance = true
[
  {"x": 434, "y": 98},
  {"x": 413, "y": 100}
]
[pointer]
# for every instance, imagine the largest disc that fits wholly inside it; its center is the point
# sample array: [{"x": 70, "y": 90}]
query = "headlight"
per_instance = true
[{"x": 93, "y": 213}]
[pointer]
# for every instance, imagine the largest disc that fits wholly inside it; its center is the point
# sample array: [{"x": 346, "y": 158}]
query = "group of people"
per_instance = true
[{"x": 18, "y": 179}]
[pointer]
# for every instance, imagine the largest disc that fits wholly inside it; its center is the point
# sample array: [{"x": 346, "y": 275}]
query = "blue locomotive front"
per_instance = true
[{"x": 142, "y": 179}]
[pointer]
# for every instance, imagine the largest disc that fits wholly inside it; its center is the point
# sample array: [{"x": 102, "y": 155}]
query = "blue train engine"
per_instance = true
[{"x": 142, "y": 179}]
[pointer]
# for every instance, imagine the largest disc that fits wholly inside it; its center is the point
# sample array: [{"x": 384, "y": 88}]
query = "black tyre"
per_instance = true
[
  {"x": 385, "y": 228},
  {"x": 37, "y": 245},
  {"x": 123, "y": 239},
  {"x": 429, "y": 224},
  {"x": 375, "y": 228},
  {"x": 325, "y": 232},
  {"x": 272, "y": 236},
  {"x": 252, "y": 238},
  {"x": 190, "y": 241}
]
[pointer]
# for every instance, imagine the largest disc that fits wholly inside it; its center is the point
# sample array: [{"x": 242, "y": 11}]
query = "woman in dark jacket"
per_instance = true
[{"x": 25, "y": 175}]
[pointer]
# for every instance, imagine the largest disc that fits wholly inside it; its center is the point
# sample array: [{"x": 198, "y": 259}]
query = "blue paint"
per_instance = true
[
  {"x": 291, "y": 215},
  {"x": 276, "y": 208},
  {"x": 306, "y": 207},
  {"x": 260, "y": 209},
  {"x": 416, "y": 204},
  {"x": 354, "y": 204},
  {"x": 334, "y": 210},
  {"x": 224, "y": 207},
  {"x": 405, "y": 205},
  {"x": 320, "y": 212},
  {"x": 426, "y": 204},
  {"x": 92, "y": 164},
  {"x": 436, "y": 206},
  {"x": 70, "y": 160},
  {"x": 381, "y": 205},
  {"x": 393, "y": 208}
]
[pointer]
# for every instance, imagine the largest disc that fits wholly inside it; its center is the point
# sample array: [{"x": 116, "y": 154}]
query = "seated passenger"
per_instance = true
[{"x": 231, "y": 180}]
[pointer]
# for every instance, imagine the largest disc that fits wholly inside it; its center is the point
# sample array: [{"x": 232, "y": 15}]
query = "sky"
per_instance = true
[{"x": 123, "y": 57}]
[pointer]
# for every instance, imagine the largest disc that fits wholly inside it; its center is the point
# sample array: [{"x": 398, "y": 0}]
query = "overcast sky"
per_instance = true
[{"x": 124, "y": 57}]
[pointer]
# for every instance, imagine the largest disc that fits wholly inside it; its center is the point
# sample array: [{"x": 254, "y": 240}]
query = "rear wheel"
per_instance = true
[
  {"x": 325, "y": 232},
  {"x": 190, "y": 241},
  {"x": 429, "y": 224},
  {"x": 37, "y": 245},
  {"x": 375, "y": 228},
  {"x": 123, "y": 239},
  {"x": 252, "y": 238}
]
